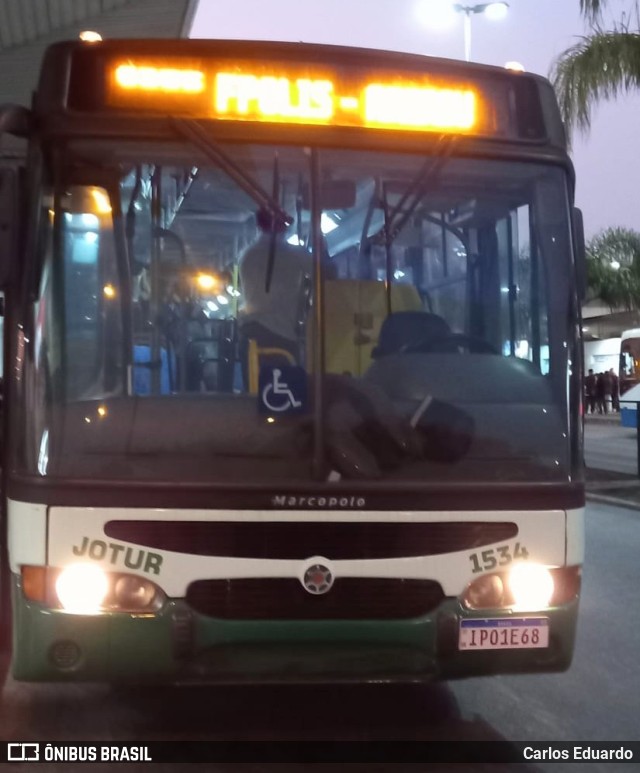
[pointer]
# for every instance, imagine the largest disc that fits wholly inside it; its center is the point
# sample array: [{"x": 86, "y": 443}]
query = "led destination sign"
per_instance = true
[
  {"x": 422, "y": 107},
  {"x": 131, "y": 77},
  {"x": 299, "y": 95}
]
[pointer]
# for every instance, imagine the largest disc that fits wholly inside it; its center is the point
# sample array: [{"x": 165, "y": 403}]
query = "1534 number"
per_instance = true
[{"x": 495, "y": 557}]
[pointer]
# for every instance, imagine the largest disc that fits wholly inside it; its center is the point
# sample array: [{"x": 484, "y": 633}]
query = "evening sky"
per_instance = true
[{"x": 607, "y": 160}]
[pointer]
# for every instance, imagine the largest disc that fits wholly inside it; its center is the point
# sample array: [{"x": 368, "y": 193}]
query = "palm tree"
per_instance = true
[
  {"x": 613, "y": 268},
  {"x": 602, "y": 65}
]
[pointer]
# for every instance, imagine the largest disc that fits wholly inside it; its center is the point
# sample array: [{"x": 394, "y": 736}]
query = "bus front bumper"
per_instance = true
[{"x": 177, "y": 646}]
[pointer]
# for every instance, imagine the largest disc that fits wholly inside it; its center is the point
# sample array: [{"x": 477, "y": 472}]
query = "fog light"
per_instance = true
[
  {"x": 485, "y": 592},
  {"x": 65, "y": 655},
  {"x": 133, "y": 593},
  {"x": 81, "y": 588},
  {"x": 531, "y": 586}
]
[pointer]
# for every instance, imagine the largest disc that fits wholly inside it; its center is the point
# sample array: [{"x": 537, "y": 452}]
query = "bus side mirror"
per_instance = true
[
  {"x": 9, "y": 197},
  {"x": 581, "y": 253}
]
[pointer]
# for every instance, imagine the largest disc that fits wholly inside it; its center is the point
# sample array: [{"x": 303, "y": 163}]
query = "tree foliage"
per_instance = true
[
  {"x": 613, "y": 268},
  {"x": 592, "y": 9},
  {"x": 601, "y": 65}
]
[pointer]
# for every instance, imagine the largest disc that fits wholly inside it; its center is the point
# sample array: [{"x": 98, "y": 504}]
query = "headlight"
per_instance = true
[
  {"x": 531, "y": 586},
  {"x": 86, "y": 589},
  {"x": 133, "y": 593},
  {"x": 485, "y": 592},
  {"x": 526, "y": 587},
  {"x": 82, "y": 588}
]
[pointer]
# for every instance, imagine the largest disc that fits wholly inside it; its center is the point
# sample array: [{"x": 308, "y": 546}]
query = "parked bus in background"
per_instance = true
[
  {"x": 629, "y": 371},
  {"x": 388, "y": 487}
]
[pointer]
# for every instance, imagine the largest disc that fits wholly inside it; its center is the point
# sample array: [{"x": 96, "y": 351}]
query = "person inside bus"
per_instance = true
[{"x": 274, "y": 306}]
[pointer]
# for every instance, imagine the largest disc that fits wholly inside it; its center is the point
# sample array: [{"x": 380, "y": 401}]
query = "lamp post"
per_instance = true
[{"x": 493, "y": 11}]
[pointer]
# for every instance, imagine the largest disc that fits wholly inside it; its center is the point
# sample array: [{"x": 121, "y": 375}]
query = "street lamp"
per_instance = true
[{"x": 493, "y": 11}]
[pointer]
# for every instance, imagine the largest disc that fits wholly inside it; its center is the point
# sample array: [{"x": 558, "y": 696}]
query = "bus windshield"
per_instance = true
[{"x": 177, "y": 329}]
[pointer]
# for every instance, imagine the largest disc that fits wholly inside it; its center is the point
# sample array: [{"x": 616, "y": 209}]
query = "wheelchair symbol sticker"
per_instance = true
[{"x": 282, "y": 389}]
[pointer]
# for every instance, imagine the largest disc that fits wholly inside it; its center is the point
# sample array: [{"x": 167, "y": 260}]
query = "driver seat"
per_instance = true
[{"x": 406, "y": 328}]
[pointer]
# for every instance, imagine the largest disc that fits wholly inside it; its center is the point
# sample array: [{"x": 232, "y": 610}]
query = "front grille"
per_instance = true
[
  {"x": 339, "y": 541},
  {"x": 350, "y": 598}
]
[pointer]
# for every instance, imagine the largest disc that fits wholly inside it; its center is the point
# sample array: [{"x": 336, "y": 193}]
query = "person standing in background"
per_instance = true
[
  {"x": 600, "y": 393},
  {"x": 615, "y": 391},
  {"x": 590, "y": 392}
]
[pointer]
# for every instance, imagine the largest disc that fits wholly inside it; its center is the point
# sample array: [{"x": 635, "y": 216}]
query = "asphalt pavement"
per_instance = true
[{"x": 610, "y": 486}]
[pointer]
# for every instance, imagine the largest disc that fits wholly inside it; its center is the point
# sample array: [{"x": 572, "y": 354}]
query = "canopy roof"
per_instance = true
[{"x": 27, "y": 27}]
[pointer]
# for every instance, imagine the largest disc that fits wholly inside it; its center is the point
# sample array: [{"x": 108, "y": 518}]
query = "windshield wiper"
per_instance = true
[
  {"x": 197, "y": 135},
  {"x": 395, "y": 220}
]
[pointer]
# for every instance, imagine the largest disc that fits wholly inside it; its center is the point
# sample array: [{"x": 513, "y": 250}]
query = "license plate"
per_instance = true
[{"x": 521, "y": 633}]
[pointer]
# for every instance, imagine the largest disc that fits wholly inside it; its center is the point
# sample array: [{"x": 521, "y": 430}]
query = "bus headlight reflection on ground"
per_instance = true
[
  {"x": 82, "y": 588},
  {"x": 531, "y": 586}
]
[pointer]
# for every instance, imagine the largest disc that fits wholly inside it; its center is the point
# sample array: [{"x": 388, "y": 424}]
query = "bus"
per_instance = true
[
  {"x": 390, "y": 488},
  {"x": 629, "y": 371}
]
